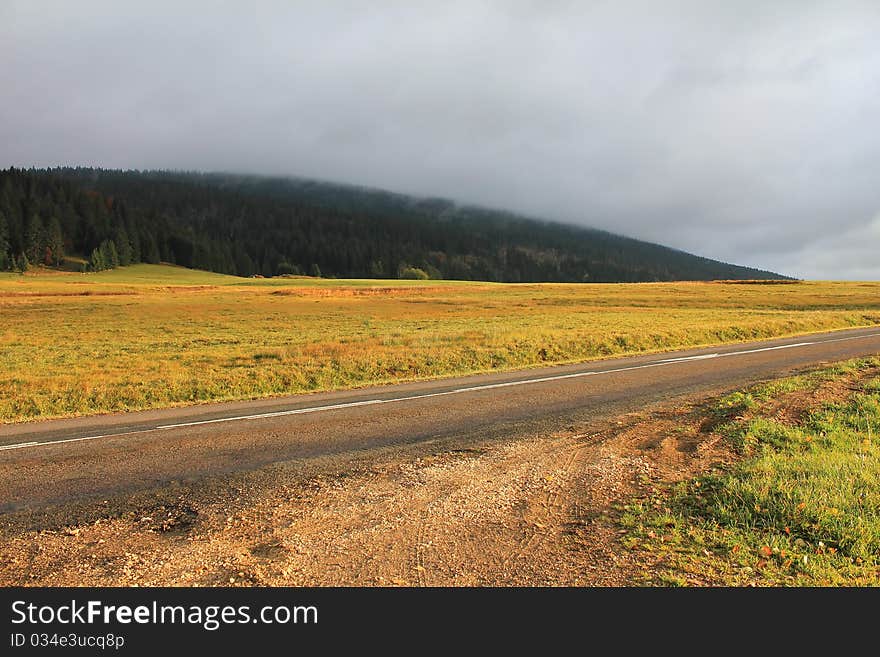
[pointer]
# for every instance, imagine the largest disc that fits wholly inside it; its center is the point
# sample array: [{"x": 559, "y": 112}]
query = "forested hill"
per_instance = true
[{"x": 248, "y": 225}]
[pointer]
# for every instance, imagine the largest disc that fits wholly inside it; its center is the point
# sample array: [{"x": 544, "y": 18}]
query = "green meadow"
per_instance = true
[{"x": 800, "y": 506}]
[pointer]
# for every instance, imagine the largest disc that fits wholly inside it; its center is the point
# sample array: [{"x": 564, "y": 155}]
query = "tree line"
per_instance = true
[{"x": 251, "y": 225}]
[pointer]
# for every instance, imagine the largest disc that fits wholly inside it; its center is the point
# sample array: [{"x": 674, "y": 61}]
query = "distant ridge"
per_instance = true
[{"x": 247, "y": 225}]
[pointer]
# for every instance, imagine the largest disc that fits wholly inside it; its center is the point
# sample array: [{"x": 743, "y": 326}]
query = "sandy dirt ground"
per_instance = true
[{"x": 535, "y": 511}]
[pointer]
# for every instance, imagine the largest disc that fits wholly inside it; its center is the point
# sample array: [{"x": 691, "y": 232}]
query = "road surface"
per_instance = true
[{"x": 51, "y": 462}]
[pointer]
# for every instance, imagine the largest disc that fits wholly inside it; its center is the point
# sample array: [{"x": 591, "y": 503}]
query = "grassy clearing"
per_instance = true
[
  {"x": 801, "y": 507},
  {"x": 149, "y": 336}
]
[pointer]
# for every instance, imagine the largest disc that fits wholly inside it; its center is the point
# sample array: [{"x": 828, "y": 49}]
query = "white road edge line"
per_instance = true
[
  {"x": 490, "y": 386},
  {"x": 684, "y": 358},
  {"x": 18, "y": 445},
  {"x": 76, "y": 440},
  {"x": 782, "y": 346}
]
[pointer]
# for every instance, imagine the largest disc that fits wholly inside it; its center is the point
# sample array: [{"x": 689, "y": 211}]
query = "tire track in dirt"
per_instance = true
[{"x": 543, "y": 514}]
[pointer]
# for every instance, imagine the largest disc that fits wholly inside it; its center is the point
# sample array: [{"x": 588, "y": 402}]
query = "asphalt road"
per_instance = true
[{"x": 57, "y": 461}]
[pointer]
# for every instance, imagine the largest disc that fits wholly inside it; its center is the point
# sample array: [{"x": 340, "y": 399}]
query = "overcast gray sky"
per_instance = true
[{"x": 745, "y": 131}]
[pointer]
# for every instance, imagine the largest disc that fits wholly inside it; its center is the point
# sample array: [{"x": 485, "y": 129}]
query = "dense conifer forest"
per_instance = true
[{"x": 252, "y": 225}]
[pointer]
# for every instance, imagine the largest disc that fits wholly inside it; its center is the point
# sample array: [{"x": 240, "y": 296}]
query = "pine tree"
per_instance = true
[
  {"x": 315, "y": 271},
  {"x": 96, "y": 260},
  {"x": 55, "y": 242},
  {"x": 33, "y": 239},
  {"x": 151, "y": 250},
  {"x": 5, "y": 257},
  {"x": 109, "y": 254},
  {"x": 136, "y": 255},
  {"x": 244, "y": 266},
  {"x": 123, "y": 246}
]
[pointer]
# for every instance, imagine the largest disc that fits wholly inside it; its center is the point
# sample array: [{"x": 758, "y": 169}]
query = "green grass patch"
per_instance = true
[{"x": 800, "y": 508}]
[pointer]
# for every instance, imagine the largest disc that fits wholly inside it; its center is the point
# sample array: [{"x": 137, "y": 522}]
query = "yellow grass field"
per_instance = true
[{"x": 150, "y": 336}]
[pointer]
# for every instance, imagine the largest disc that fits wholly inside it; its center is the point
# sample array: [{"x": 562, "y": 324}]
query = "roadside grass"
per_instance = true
[
  {"x": 800, "y": 506},
  {"x": 150, "y": 336}
]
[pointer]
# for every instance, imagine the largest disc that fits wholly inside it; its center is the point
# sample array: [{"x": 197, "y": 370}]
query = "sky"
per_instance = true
[{"x": 745, "y": 131}]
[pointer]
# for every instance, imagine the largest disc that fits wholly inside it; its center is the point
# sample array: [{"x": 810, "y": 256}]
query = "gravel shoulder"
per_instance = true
[{"x": 539, "y": 510}]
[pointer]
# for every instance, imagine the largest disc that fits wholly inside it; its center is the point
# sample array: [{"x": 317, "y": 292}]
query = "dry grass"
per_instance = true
[{"x": 149, "y": 336}]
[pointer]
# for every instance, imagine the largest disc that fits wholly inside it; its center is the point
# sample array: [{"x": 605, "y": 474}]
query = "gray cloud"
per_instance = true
[{"x": 742, "y": 131}]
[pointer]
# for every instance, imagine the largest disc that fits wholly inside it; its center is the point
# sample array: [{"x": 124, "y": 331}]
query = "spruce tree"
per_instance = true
[
  {"x": 96, "y": 260},
  {"x": 150, "y": 250},
  {"x": 33, "y": 239},
  {"x": 136, "y": 255},
  {"x": 123, "y": 246},
  {"x": 55, "y": 242},
  {"x": 244, "y": 266},
  {"x": 5, "y": 257},
  {"x": 109, "y": 254}
]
